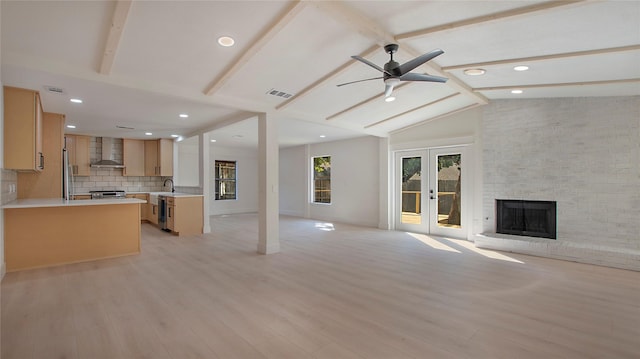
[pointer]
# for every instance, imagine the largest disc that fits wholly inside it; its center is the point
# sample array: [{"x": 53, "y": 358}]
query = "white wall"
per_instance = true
[
  {"x": 293, "y": 183},
  {"x": 188, "y": 163},
  {"x": 583, "y": 153},
  {"x": 246, "y": 180},
  {"x": 354, "y": 181}
]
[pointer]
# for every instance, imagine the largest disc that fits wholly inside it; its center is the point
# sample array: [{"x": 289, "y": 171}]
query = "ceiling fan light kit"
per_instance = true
[{"x": 393, "y": 73}]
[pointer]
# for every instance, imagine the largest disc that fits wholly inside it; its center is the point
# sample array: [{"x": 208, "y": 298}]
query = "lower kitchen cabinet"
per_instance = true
[
  {"x": 152, "y": 213},
  {"x": 143, "y": 206},
  {"x": 184, "y": 215}
]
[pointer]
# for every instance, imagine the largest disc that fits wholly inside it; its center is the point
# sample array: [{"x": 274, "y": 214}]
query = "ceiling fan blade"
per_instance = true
[
  {"x": 422, "y": 77},
  {"x": 388, "y": 88},
  {"x": 353, "y": 82},
  {"x": 365, "y": 61},
  {"x": 410, "y": 65}
]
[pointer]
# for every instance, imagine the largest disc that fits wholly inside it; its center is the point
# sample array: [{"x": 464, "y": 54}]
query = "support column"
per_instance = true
[
  {"x": 269, "y": 210},
  {"x": 384, "y": 201},
  {"x": 204, "y": 154}
]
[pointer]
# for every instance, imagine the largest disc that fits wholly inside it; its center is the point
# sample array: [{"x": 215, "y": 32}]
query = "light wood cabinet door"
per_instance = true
[
  {"x": 133, "y": 157},
  {"x": 151, "y": 158},
  {"x": 152, "y": 213},
  {"x": 165, "y": 157},
  {"x": 79, "y": 155},
  {"x": 186, "y": 216},
  {"x": 48, "y": 182},
  {"x": 23, "y": 130},
  {"x": 158, "y": 157},
  {"x": 171, "y": 223},
  {"x": 143, "y": 206}
]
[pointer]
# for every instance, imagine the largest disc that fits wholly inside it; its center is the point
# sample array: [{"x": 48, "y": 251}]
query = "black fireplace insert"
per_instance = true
[{"x": 526, "y": 218}]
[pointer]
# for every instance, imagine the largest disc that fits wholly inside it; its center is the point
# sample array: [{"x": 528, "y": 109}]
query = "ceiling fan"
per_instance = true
[{"x": 393, "y": 72}]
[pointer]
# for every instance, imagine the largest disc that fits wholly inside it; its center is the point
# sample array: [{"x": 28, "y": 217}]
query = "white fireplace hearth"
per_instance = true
[{"x": 559, "y": 249}]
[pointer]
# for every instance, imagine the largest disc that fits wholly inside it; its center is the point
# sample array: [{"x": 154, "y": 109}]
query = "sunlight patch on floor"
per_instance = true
[
  {"x": 325, "y": 226},
  {"x": 489, "y": 254},
  {"x": 432, "y": 242}
]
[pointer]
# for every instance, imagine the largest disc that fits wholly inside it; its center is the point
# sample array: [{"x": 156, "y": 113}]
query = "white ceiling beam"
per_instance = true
[
  {"x": 223, "y": 122},
  {"x": 292, "y": 11},
  {"x": 372, "y": 30},
  {"x": 413, "y": 110},
  {"x": 487, "y": 18},
  {"x": 118, "y": 21},
  {"x": 468, "y": 107},
  {"x": 543, "y": 57},
  {"x": 360, "y": 104},
  {"x": 331, "y": 75},
  {"x": 563, "y": 84}
]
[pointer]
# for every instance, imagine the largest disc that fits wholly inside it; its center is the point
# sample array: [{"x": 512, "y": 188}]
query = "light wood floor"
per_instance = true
[{"x": 335, "y": 291}]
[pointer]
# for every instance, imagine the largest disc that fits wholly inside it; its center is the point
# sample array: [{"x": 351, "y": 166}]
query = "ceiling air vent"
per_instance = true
[
  {"x": 56, "y": 90},
  {"x": 279, "y": 93}
]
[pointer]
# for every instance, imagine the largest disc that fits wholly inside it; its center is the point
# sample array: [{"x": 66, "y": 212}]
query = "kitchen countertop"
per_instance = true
[
  {"x": 60, "y": 202},
  {"x": 174, "y": 194}
]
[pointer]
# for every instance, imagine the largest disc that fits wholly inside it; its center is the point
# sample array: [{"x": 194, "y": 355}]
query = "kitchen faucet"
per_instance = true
[{"x": 165, "y": 183}]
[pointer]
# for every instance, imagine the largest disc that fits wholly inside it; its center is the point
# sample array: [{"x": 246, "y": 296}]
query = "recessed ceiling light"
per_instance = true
[
  {"x": 474, "y": 72},
  {"x": 71, "y": 126},
  {"x": 322, "y": 136},
  {"x": 516, "y": 91},
  {"x": 175, "y": 136},
  {"x": 148, "y": 133},
  {"x": 521, "y": 68},
  {"x": 213, "y": 140},
  {"x": 76, "y": 100},
  {"x": 183, "y": 115},
  {"x": 226, "y": 41},
  {"x": 390, "y": 99}
]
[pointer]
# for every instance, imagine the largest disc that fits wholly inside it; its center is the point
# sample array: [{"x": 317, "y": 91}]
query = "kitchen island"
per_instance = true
[{"x": 52, "y": 231}]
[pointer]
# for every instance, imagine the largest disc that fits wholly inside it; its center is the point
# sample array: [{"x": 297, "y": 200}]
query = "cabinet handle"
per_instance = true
[
  {"x": 41, "y": 160},
  {"x": 169, "y": 212},
  {"x": 153, "y": 209}
]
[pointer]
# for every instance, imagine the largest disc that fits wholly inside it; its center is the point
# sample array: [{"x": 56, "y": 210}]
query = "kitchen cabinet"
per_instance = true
[
  {"x": 184, "y": 215},
  {"x": 23, "y": 130},
  {"x": 46, "y": 183},
  {"x": 143, "y": 206},
  {"x": 133, "y": 157},
  {"x": 152, "y": 213},
  {"x": 79, "y": 155},
  {"x": 158, "y": 157}
]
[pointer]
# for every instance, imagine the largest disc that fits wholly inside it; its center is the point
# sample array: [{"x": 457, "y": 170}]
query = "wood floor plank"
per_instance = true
[{"x": 334, "y": 291}]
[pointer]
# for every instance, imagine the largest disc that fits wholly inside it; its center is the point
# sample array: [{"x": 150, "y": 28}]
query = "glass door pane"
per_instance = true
[
  {"x": 411, "y": 190},
  {"x": 449, "y": 190}
]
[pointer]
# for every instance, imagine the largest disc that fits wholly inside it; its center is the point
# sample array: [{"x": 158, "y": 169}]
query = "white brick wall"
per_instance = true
[{"x": 583, "y": 153}]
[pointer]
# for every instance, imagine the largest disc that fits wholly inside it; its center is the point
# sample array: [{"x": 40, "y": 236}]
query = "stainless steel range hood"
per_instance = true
[{"x": 107, "y": 150}]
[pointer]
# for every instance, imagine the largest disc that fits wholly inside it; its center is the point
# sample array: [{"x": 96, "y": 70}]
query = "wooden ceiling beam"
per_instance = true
[
  {"x": 487, "y": 18},
  {"x": 362, "y": 103},
  {"x": 331, "y": 75},
  {"x": 292, "y": 11},
  {"x": 563, "y": 84},
  {"x": 543, "y": 57},
  {"x": 118, "y": 21},
  {"x": 413, "y": 110}
]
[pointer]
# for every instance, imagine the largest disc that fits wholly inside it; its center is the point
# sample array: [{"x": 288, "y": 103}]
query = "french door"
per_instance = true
[{"x": 429, "y": 191}]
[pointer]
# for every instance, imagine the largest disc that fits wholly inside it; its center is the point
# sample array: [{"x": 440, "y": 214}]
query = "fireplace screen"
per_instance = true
[{"x": 526, "y": 218}]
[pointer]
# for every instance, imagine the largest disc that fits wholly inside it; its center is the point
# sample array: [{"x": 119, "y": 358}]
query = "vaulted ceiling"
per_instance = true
[{"x": 138, "y": 64}]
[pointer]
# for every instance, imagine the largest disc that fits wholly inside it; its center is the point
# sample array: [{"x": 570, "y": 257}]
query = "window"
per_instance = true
[
  {"x": 322, "y": 179},
  {"x": 225, "y": 180}
]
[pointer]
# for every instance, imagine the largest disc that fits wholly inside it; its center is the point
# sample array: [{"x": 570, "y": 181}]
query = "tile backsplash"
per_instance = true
[
  {"x": 9, "y": 182},
  {"x": 112, "y": 179}
]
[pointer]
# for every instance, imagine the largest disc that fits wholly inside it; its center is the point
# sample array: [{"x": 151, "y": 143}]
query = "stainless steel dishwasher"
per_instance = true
[{"x": 162, "y": 213}]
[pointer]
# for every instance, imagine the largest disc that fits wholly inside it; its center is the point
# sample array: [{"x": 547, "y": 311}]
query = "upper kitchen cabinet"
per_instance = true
[
  {"x": 48, "y": 182},
  {"x": 158, "y": 157},
  {"x": 22, "y": 130},
  {"x": 133, "y": 157},
  {"x": 79, "y": 155}
]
